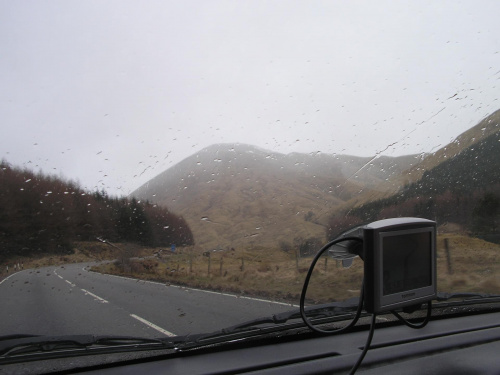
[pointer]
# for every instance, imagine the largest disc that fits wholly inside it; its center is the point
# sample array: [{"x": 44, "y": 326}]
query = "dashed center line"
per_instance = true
[
  {"x": 154, "y": 326},
  {"x": 102, "y": 300}
]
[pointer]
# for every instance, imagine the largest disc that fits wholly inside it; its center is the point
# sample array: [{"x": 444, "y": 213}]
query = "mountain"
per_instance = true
[
  {"x": 461, "y": 187},
  {"x": 489, "y": 126},
  {"x": 240, "y": 195},
  {"x": 237, "y": 194}
]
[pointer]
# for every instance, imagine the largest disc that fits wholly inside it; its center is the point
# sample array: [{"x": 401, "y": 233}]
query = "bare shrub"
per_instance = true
[{"x": 264, "y": 267}]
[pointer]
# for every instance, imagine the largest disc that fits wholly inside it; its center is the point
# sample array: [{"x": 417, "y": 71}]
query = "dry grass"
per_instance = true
[
  {"x": 83, "y": 252},
  {"x": 473, "y": 266},
  {"x": 271, "y": 273},
  {"x": 53, "y": 260}
]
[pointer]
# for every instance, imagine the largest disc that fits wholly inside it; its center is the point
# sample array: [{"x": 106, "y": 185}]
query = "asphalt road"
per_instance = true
[{"x": 69, "y": 299}]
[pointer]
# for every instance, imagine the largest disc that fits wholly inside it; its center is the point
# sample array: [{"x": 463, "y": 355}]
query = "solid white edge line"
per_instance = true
[
  {"x": 154, "y": 326},
  {"x": 200, "y": 290},
  {"x": 8, "y": 277}
]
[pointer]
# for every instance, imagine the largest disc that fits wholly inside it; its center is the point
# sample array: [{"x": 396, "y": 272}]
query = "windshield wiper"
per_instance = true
[
  {"x": 329, "y": 310},
  {"x": 17, "y": 348},
  {"x": 325, "y": 313},
  {"x": 276, "y": 322},
  {"x": 463, "y": 299}
]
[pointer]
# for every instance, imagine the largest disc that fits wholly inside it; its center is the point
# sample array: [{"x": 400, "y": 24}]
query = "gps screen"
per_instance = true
[{"x": 406, "y": 262}]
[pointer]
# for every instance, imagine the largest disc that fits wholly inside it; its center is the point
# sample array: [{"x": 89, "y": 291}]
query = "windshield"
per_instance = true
[{"x": 171, "y": 168}]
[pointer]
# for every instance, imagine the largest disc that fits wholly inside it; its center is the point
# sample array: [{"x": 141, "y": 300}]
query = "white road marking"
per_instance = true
[
  {"x": 8, "y": 277},
  {"x": 59, "y": 276},
  {"x": 201, "y": 290},
  {"x": 154, "y": 326},
  {"x": 102, "y": 300},
  {"x": 70, "y": 283}
]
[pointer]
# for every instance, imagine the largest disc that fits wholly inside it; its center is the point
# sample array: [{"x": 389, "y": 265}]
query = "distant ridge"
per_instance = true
[
  {"x": 487, "y": 127},
  {"x": 238, "y": 194},
  {"x": 242, "y": 195}
]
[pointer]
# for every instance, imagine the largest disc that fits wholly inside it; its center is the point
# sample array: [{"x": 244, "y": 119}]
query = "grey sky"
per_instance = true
[{"x": 111, "y": 93}]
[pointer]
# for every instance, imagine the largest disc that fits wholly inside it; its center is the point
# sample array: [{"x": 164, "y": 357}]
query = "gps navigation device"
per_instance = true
[{"x": 399, "y": 263}]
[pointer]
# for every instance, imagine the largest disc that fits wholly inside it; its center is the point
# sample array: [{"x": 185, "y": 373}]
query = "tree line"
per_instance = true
[{"x": 43, "y": 214}]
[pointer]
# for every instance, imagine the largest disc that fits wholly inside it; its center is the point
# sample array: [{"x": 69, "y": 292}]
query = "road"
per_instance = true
[{"x": 69, "y": 299}]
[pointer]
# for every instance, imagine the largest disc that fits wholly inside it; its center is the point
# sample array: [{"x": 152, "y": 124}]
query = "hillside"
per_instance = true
[
  {"x": 487, "y": 127},
  {"x": 463, "y": 190},
  {"x": 240, "y": 195}
]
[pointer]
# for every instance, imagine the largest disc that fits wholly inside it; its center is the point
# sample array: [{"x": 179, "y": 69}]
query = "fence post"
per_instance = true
[{"x": 448, "y": 257}]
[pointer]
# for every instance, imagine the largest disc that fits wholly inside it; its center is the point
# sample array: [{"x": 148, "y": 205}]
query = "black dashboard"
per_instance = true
[{"x": 459, "y": 345}]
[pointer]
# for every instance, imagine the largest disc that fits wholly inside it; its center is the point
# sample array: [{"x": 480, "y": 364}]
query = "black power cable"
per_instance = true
[
  {"x": 413, "y": 325},
  {"x": 367, "y": 346},
  {"x": 358, "y": 311},
  {"x": 306, "y": 284}
]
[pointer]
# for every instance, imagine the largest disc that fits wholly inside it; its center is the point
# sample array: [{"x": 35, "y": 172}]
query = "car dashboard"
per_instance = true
[{"x": 467, "y": 344}]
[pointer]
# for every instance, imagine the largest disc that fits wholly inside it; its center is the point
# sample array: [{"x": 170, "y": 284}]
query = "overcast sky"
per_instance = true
[{"x": 111, "y": 93}]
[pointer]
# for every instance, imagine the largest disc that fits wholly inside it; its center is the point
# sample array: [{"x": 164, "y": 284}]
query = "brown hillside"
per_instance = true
[
  {"x": 486, "y": 127},
  {"x": 235, "y": 195}
]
